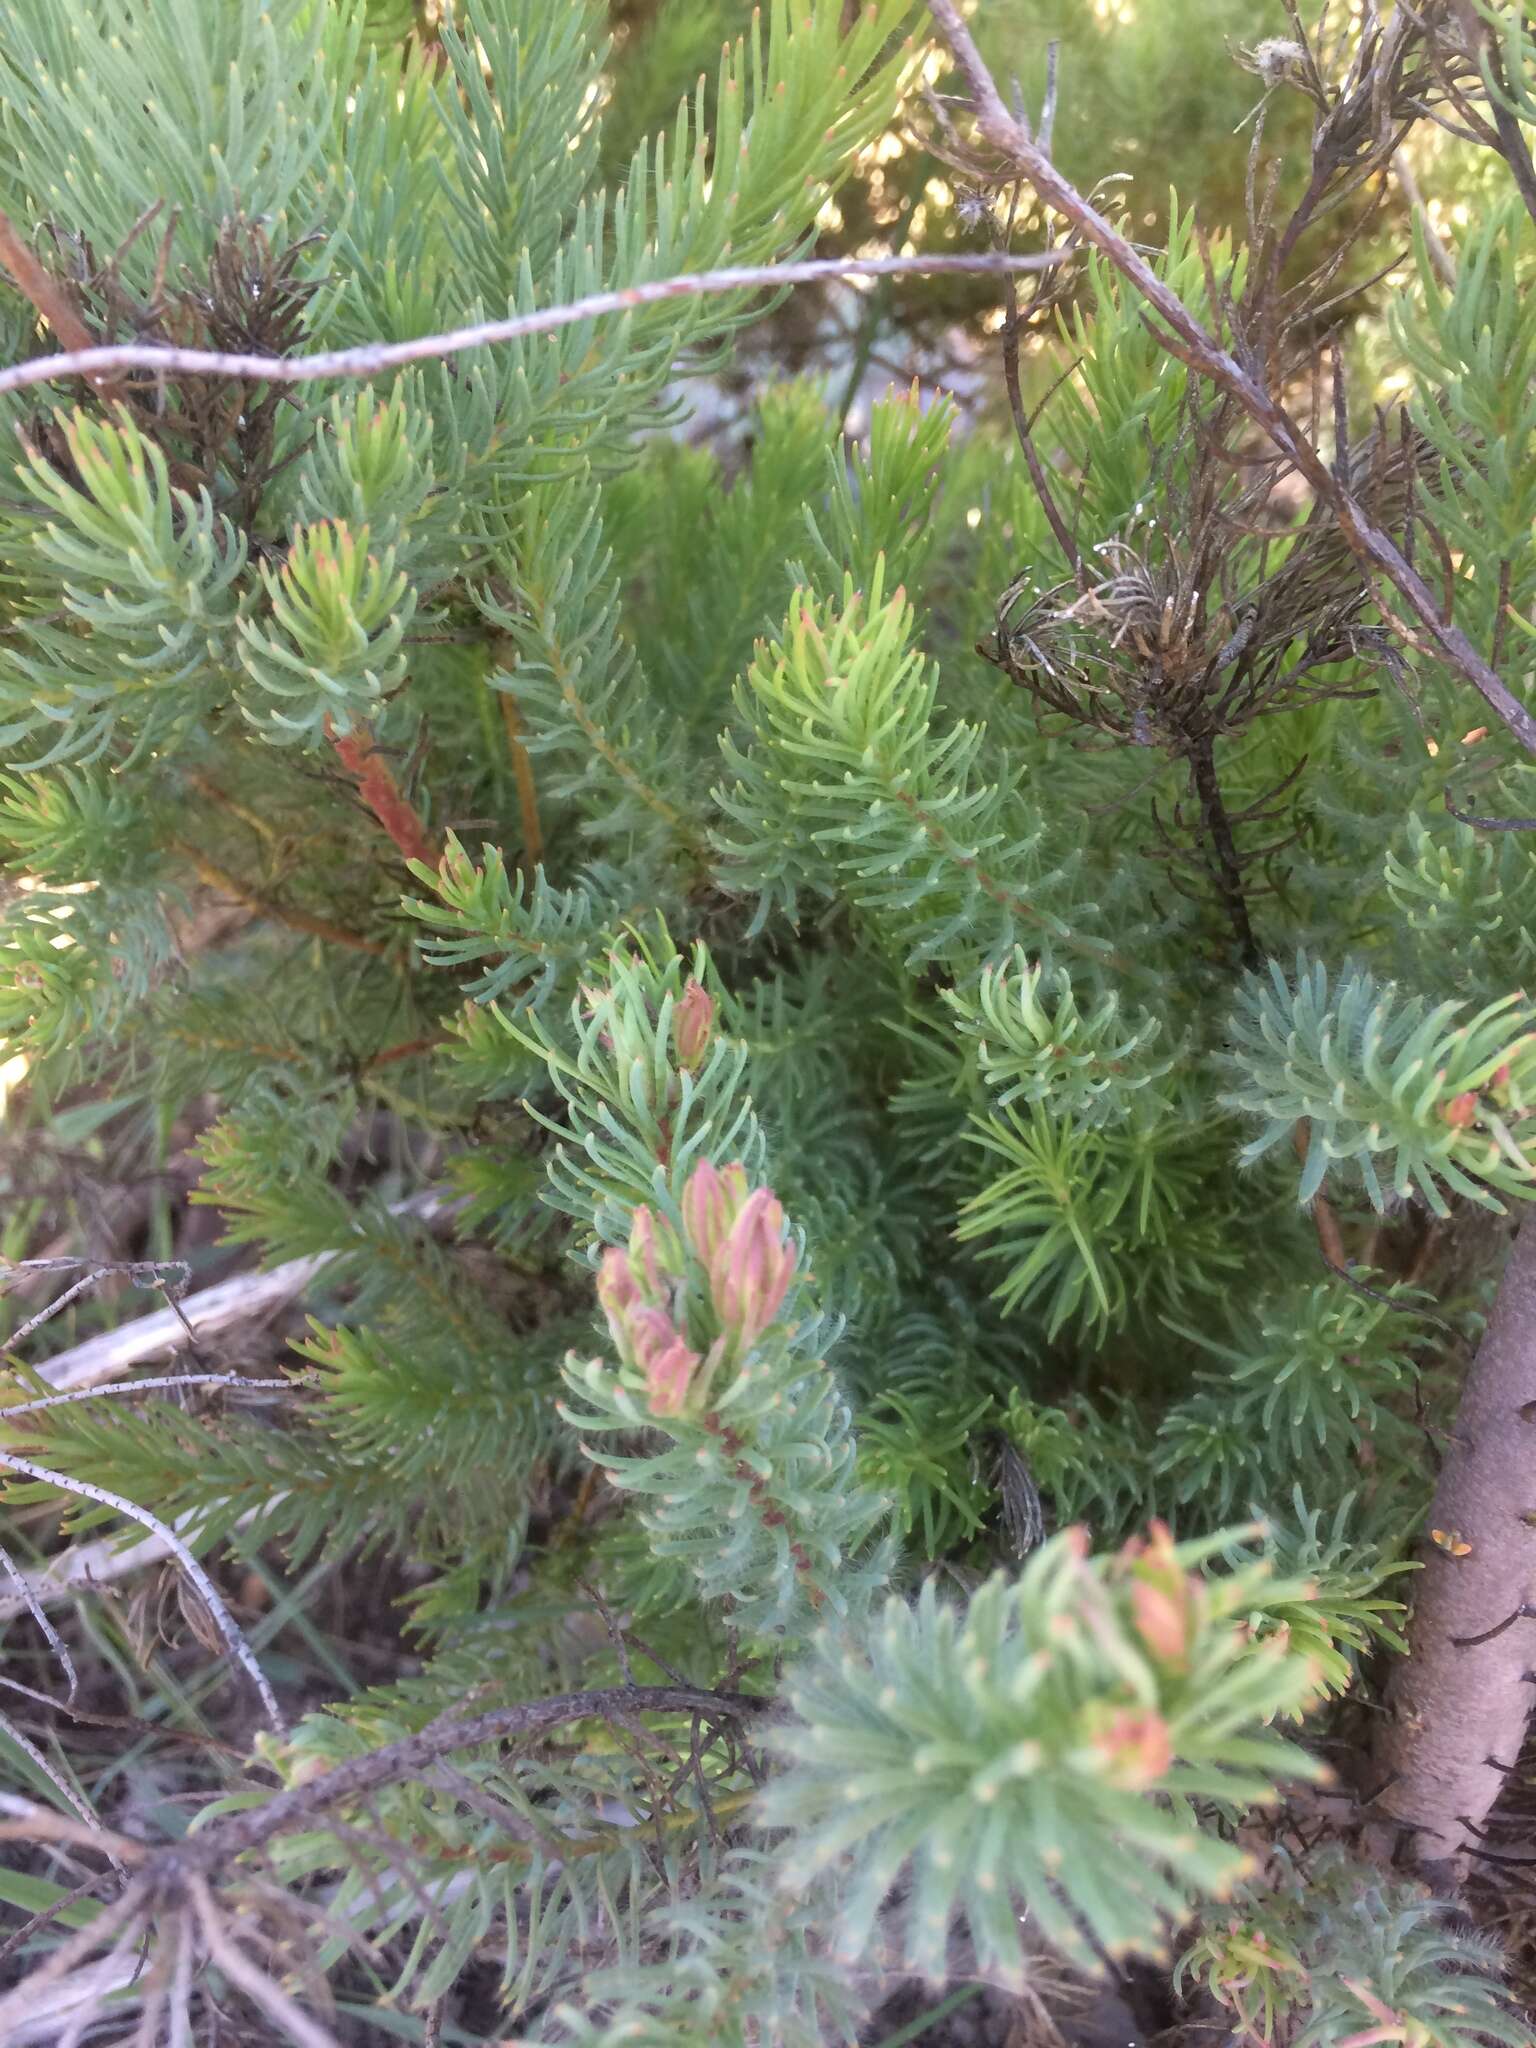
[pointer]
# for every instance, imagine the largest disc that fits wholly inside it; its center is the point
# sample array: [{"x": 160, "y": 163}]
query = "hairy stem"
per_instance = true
[
  {"x": 213, "y": 1846},
  {"x": 1459, "y": 1703}
]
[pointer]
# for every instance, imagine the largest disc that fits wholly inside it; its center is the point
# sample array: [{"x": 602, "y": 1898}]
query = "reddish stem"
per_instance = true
[
  {"x": 48, "y": 297},
  {"x": 358, "y": 753},
  {"x": 406, "y": 1051}
]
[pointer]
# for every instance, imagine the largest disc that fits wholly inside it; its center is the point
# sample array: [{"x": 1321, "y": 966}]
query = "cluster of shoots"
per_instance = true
[{"x": 687, "y": 1302}]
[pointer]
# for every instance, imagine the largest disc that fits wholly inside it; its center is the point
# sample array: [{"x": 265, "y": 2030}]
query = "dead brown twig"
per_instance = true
[
  {"x": 1187, "y": 338},
  {"x": 226, "y": 884},
  {"x": 170, "y": 1891}
]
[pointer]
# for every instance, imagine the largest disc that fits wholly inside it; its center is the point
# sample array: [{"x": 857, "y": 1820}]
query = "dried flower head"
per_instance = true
[{"x": 1278, "y": 61}]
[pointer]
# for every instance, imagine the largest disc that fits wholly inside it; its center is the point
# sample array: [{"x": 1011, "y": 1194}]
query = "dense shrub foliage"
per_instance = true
[{"x": 902, "y": 1061}]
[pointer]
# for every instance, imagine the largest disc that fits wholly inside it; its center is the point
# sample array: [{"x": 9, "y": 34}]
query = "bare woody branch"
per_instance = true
[
  {"x": 213, "y": 1847},
  {"x": 1188, "y": 339},
  {"x": 177, "y": 1874},
  {"x": 81, "y": 1570},
  {"x": 370, "y": 359},
  {"x": 234, "y": 1642}
]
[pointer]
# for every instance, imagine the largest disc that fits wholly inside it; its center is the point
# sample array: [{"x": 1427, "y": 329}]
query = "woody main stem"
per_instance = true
[
  {"x": 1460, "y": 1701},
  {"x": 1221, "y": 847}
]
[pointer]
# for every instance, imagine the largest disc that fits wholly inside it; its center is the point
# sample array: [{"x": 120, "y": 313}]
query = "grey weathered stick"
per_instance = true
[
  {"x": 372, "y": 358},
  {"x": 237, "y": 1300},
  {"x": 26, "y": 1601},
  {"x": 49, "y": 1770},
  {"x": 165, "y": 1383},
  {"x": 1186, "y": 338},
  {"x": 238, "y": 1648},
  {"x": 79, "y": 1570}
]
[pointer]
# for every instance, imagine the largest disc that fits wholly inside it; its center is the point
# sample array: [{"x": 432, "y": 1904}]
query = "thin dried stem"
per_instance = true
[
  {"x": 48, "y": 1914},
  {"x": 234, "y": 1641},
  {"x": 212, "y": 1847},
  {"x": 1439, "y": 255},
  {"x": 1217, "y": 837},
  {"x": 372, "y": 358},
  {"x": 16, "y": 2004},
  {"x": 1066, "y": 540},
  {"x": 296, "y": 920},
  {"x": 51, "y": 1636},
  {"x": 169, "y": 1383},
  {"x": 527, "y": 792},
  {"x": 61, "y": 1785},
  {"x": 179, "y": 2034},
  {"x": 22, "y": 1820},
  {"x": 243, "y": 1298},
  {"x": 57, "y": 1306}
]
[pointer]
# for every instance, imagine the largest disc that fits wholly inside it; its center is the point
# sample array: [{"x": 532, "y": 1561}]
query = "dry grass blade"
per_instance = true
[{"x": 292, "y": 2023}]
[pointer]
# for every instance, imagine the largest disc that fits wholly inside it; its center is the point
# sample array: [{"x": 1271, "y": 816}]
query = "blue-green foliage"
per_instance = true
[
  {"x": 973, "y": 1745},
  {"x": 847, "y": 791},
  {"x": 1332, "y": 1950},
  {"x": 1436, "y": 1096}
]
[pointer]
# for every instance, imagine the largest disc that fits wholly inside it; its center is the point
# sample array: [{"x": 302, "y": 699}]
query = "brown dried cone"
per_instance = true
[
  {"x": 1210, "y": 610},
  {"x": 1459, "y": 1703},
  {"x": 218, "y": 434}
]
